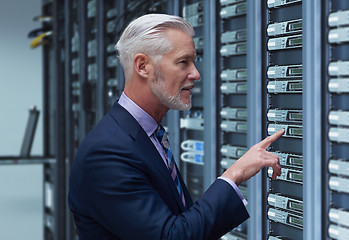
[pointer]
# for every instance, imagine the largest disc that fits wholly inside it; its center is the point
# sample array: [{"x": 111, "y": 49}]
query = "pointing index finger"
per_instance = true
[{"x": 269, "y": 140}]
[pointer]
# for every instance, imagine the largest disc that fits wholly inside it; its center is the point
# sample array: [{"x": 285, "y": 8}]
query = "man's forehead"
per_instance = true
[
  {"x": 183, "y": 43},
  {"x": 187, "y": 54}
]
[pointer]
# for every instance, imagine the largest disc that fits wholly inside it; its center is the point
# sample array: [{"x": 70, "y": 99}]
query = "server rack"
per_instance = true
[
  {"x": 197, "y": 147},
  {"x": 232, "y": 126},
  {"x": 335, "y": 119},
  {"x": 283, "y": 109},
  {"x": 191, "y": 134},
  {"x": 109, "y": 15},
  {"x": 49, "y": 95},
  {"x": 72, "y": 92},
  {"x": 58, "y": 71}
]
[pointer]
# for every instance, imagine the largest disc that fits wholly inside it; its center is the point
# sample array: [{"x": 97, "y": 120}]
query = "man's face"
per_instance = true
[{"x": 175, "y": 73}]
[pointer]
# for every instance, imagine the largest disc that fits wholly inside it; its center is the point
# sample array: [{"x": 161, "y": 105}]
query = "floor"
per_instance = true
[{"x": 21, "y": 202}]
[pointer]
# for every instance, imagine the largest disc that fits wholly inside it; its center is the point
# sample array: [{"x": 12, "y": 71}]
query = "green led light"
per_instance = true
[
  {"x": 242, "y": 127},
  {"x": 295, "y": 26},
  {"x": 296, "y": 176},
  {"x": 296, "y": 206},
  {"x": 242, "y": 74},
  {"x": 296, "y": 86},
  {"x": 296, "y": 161},
  {"x": 242, "y": 88},
  {"x": 241, "y": 8},
  {"x": 295, "y": 41},
  {"x": 296, "y": 131},
  {"x": 296, "y": 71},
  {"x": 295, "y": 116},
  {"x": 296, "y": 221},
  {"x": 242, "y": 48}
]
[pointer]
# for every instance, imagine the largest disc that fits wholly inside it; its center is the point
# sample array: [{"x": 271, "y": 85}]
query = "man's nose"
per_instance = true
[{"x": 194, "y": 75}]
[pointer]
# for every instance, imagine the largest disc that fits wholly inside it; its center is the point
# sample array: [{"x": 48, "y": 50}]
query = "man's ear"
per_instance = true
[{"x": 143, "y": 65}]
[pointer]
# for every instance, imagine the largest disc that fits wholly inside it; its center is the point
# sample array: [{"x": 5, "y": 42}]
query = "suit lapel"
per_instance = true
[{"x": 147, "y": 148}]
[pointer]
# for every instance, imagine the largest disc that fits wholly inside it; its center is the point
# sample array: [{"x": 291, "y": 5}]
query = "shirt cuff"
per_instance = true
[{"x": 237, "y": 190}]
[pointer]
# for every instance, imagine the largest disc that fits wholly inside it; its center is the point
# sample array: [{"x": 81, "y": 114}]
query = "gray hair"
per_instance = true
[{"x": 146, "y": 35}]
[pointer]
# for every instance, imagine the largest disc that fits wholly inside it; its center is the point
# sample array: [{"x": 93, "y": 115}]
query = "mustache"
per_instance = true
[{"x": 189, "y": 85}]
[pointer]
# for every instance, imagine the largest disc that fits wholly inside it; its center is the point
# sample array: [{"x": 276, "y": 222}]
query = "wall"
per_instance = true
[{"x": 20, "y": 88}]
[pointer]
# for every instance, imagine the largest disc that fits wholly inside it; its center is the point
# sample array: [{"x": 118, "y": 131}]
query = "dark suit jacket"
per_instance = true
[{"x": 120, "y": 188}]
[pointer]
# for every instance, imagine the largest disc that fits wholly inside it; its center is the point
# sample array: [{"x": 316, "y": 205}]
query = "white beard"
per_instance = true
[{"x": 172, "y": 102}]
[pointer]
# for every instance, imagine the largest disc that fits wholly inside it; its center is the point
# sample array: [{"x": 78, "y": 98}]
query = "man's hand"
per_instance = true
[{"x": 256, "y": 158}]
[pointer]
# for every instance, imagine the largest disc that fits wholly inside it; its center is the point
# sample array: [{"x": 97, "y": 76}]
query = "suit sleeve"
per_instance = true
[{"x": 120, "y": 196}]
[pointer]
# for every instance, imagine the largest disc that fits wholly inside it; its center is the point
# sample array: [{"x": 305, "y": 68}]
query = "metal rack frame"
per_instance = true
[
  {"x": 257, "y": 227},
  {"x": 312, "y": 120}
]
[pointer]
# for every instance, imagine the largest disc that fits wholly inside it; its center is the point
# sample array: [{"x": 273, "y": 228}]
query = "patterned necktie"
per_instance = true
[{"x": 162, "y": 137}]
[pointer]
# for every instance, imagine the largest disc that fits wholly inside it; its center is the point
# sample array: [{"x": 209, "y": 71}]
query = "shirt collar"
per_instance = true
[{"x": 143, "y": 118}]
